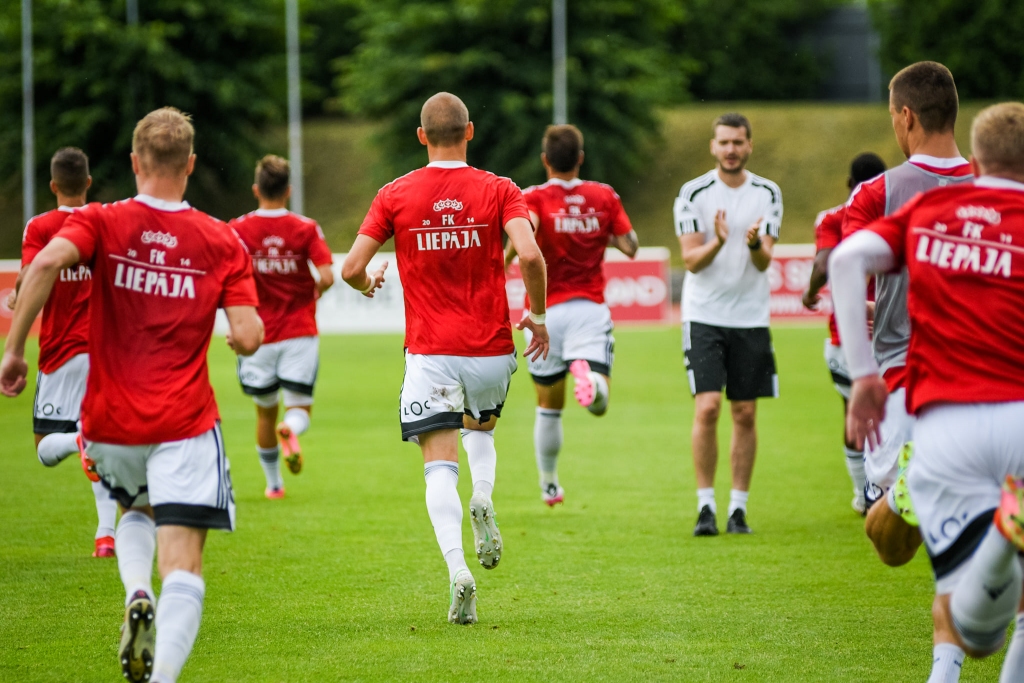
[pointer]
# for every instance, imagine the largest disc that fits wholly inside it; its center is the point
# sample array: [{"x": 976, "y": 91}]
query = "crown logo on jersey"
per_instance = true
[
  {"x": 162, "y": 238},
  {"x": 575, "y": 199},
  {"x": 991, "y": 216},
  {"x": 273, "y": 241},
  {"x": 448, "y": 204}
]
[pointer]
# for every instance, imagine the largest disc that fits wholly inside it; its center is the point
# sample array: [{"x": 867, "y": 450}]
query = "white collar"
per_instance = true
[
  {"x": 66, "y": 209},
  {"x": 747, "y": 177},
  {"x": 447, "y": 164},
  {"x": 567, "y": 184},
  {"x": 937, "y": 162},
  {"x": 997, "y": 183},
  {"x": 161, "y": 204},
  {"x": 271, "y": 213}
]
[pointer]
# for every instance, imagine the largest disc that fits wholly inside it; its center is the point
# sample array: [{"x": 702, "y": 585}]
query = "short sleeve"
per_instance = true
[
  {"x": 828, "y": 230},
  {"x": 319, "y": 252},
  {"x": 32, "y": 242},
  {"x": 866, "y": 205},
  {"x": 533, "y": 201},
  {"x": 239, "y": 286},
  {"x": 513, "y": 205},
  {"x": 686, "y": 218},
  {"x": 378, "y": 223},
  {"x": 772, "y": 225},
  {"x": 894, "y": 229},
  {"x": 82, "y": 229},
  {"x": 619, "y": 223}
]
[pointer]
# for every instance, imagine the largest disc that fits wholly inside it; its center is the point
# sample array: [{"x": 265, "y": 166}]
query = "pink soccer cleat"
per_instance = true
[
  {"x": 1008, "y": 517},
  {"x": 274, "y": 494},
  {"x": 105, "y": 547},
  {"x": 290, "y": 450},
  {"x": 88, "y": 465},
  {"x": 552, "y": 495},
  {"x": 584, "y": 390}
]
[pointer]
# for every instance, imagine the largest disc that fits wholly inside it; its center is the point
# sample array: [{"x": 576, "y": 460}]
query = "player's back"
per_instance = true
[
  {"x": 576, "y": 219},
  {"x": 160, "y": 271},
  {"x": 447, "y": 221}
]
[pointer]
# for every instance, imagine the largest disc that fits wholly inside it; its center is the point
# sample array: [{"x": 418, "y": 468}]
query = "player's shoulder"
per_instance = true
[
  {"x": 762, "y": 183},
  {"x": 693, "y": 188},
  {"x": 598, "y": 188},
  {"x": 836, "y": 213},
  {"x": 868, "y": 191}
]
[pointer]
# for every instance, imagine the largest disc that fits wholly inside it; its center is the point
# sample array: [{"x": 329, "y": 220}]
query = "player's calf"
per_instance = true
[{"x": 895, "y": 541}]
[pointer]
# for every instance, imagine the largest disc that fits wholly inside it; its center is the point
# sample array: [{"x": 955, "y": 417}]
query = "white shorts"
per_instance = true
[
  {"x": 962, "y": 454},
  {"x": 580, "y": 330},
  {"x": 187, "y": 482},
  {"x": 290, "y": 364},
  {"x": 438, "y": 390},
  {"x": 58, "y": 402},
  {"x": 880, "y": 464},
  {"x": 836, "y": 360}
]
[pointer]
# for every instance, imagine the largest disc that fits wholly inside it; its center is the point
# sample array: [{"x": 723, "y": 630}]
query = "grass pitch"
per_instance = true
[{"x": 342, "y": 580}]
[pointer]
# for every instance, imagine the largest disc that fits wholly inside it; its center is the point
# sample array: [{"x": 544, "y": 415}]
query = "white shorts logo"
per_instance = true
[
  {"x": 448, "y": 204},
  {"x": 164, "y": 238}
]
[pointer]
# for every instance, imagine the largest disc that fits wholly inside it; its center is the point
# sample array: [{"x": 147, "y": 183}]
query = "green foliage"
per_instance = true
[
  {"x": 223, "y": 62},
  {"x": 496, "y": 55},
  {"x": 327, "y": 35},
  {"x": 981, "y": 41}
]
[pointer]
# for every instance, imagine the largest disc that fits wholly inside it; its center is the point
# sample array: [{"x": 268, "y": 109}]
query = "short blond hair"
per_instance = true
[
  {"x": 997, "y": 138},
  {"x": 163, "y": 141}
]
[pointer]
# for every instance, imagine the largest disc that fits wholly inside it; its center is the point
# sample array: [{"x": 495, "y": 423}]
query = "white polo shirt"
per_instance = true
[{"x": 730, "y": 291}]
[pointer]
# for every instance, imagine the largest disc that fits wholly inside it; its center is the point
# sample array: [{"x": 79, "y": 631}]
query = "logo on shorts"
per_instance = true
[
  {"x": 448, "y": 204},
  {"x": 163, "y": 238}
]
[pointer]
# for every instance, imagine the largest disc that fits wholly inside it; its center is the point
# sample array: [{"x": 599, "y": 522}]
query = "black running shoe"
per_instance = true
[
  {"x": 706, "y": 524},
  {"x": 738, "y": 523},
  {"x": 138, "y": 639}
]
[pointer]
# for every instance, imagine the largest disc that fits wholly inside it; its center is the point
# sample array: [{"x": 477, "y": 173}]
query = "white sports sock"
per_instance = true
[
  {"x": 445, "y": 509},
  {"x": 986, "y": 598},
  {"x": 177, "y": 623},
  {"x": 738, "y": 501},
  {"x": 297, "y": 420},
  {"x": 706, "y": 497},
  {"x": 947, "y": 660},
  {"x": 483, "y": 459},
  {"x": 135, "y": 541},
  {"x": 270, "y": 459},
  {"x": 1013, "y": 663},
  {"x": 547, "y": 442},
  {"x": 53, "y": 448},
  {"x": 106, "y": 510},
  {"x": 855, "y": 466},
  {"x": 600, "y": 403}
]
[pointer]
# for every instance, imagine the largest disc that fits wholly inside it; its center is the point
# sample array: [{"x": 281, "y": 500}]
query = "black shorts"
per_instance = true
[{"x": 740, "y": 359}]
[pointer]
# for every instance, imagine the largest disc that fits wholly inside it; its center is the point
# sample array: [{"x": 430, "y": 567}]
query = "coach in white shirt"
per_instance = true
[{"x": 727, "y": 221}]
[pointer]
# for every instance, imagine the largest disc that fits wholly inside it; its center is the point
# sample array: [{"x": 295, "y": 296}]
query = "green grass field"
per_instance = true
[{"x": 342, "y": 580}]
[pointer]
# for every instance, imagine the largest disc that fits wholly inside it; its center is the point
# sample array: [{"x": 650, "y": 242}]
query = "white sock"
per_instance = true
[
  {"x": 706, "y": 497},
  {"x": 270, "y": 459},
  {"x": 106, "y": 510},
  {"x": 135, "y": 541},
  {"x": 738, "y": 501},
  {"x": 53, "y": 448},
  {"x": 600, "y": 403},
  {"x": 1013, "y": 663},
  {"x": 297, "y": 420},
  {"x": 947, "y": 660},
  {"x": 547, "y": 442},
  {"x": 855, "y": 466},
  {"x": 177, "y": 623},
  {"x": 445, "y": 509},
  {"x": 483, "y": 459},
  {"x": 986, "y": 598}
]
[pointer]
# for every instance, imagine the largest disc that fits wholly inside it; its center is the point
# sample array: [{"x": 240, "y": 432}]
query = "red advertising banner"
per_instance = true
[
  {"x": 788, "y": 275},
  {"x": 636, "y": 291}
]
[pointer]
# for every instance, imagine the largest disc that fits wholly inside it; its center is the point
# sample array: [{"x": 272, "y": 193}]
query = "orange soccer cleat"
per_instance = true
[
  {"x": 290, "y": 450},
  {"x": 88, "y": 465}
]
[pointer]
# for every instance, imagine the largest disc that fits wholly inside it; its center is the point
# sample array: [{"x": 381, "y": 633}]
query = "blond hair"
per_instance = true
[
  {"x": 997, "y": 138},
  {"x": 163, "y": 141}
]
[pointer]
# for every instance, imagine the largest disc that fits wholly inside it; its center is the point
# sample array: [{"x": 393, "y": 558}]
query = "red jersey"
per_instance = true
[
  {"x": 828, "y": 233},
  {"x": 964, "y": 249},
  {"x": 65, "y": 330},
  {"x": 576, "y": 218},
  {"x": 160, "y": 272},
  {"x": 447, "y": 220},
  {"x": 282, "y": 244}
]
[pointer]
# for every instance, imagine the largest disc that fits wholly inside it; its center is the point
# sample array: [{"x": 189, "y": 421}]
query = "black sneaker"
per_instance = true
[
  {"x": 706, "y": 524},
  {"x": 138, "y": 639},
  {"x": 738, "y": 523}
]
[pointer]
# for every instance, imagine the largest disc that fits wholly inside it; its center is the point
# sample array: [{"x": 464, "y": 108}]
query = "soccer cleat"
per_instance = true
[
  {"x": 88, "y": 464},
  {"x": 584, "y": 389},
  {"x": 859, "y": 504},
  {"x": 462, "y": 609},
  {"x": 290, "y": 448},
  {"x": 104, "y": 547},
  {"x": 274, "y": 494},
  {"x": 138, "y": 639},
  {"x": 738, "y": 522},
  {"x": 1008, "y": 518},
  {"x": 900, "y": 491},
  {"x": 553, "y": 494},
  {"x": 706, "y": 524},
  {"x": 486, "y": 536}
]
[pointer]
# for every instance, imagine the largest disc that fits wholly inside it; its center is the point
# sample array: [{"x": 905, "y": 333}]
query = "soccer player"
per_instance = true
[
  {"x": 828, "y": 231},
  {"x": 574, "y": 221},
  {"x": 727, "y": 221},
  {"x": 961, "y": 248},
  {"x": 923, "y": 105},
  {"x": 160, "y": 271},
  {"x": 282, "y": 244},
  {"x": 447, "y": 220},
  {"x": 64, "y": 339}
]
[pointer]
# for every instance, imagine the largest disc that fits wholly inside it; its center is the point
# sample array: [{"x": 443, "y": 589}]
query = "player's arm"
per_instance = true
[
  {"x": 628, "y": 244},
  {"x": 245, "y": 329},
  {"x": 531, "y": 264},
  {"x": 35, "y": 289},
  {"x": 760, "y": 246},
  {"x": 510, "y": 252},
  {"x": 353, "y": 270},
  {"x": 326, "y": 280},
  {"x": 698, "y": 252},
  {"x": 12, "y": 298},
  {"x": 819, "y": 277}
]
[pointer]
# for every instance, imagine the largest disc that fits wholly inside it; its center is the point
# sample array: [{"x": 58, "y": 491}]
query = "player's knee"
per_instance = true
[
  {"x": 473, "y": 424},
  {"x": 744, "y": 415},
  {"x": 265, "y": 401},
  {"x": 708, "y": 409}
]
